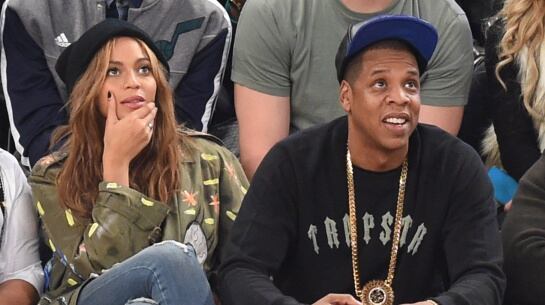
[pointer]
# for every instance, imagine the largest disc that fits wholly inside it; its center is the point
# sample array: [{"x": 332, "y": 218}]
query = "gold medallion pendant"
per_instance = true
[
  {"x": 377, "y": 293},
  {"x": 374, "y": 292}
]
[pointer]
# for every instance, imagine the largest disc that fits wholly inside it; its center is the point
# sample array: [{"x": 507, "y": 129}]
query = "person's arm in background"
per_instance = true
[
  {"x": 196, "y": 94},
  {"x": 263, "y": 121},
  {"x": 523, "y": 234},
  {"x": 33, "y": 102},
  {"x": 446, "y": 83},
  {"x": 21, "y": 275},
  {"x": 447, "y": 118},
  {"x": 261, "y": 63}
]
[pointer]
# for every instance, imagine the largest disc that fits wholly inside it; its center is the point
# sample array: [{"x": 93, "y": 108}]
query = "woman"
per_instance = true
[
  {"x": 126, "y": 178},
  {"x": 516, "y": 70}
]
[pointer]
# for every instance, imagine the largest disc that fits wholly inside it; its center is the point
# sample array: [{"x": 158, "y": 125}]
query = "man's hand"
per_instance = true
[
  {"x": 124, "y": 139},
  {"x": 337, "y": 299}
]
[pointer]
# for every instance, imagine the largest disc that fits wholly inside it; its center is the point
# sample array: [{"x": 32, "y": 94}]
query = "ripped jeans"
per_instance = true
[{"x": 166, "y": 273}]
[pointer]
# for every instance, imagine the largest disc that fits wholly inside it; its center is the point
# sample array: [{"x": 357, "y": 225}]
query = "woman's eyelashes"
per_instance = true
[
  {"x": 112, "y": 71},
  {"x": 115, "y": 71},
  {"x": 146, "y": 69}
]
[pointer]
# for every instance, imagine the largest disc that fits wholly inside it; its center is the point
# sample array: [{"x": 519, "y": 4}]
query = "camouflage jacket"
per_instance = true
[{"x": 124, "y": 221}]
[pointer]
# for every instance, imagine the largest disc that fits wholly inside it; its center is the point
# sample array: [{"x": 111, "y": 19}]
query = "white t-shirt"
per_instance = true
[{"x": 19, "y": 257}]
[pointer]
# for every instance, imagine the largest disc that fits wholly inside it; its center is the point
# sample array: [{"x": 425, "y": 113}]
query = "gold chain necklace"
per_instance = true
[{"x": 374, "y": 292}]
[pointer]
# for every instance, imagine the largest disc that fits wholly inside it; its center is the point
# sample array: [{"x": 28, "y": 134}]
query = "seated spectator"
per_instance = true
[
  {"x": 282, "y": 63},
  {"x": 126, "y": 178},
  {"x": 21, "y": 275},
  {"x": 372, "y": 206},
  {"x": 193, "y": 35},
  {"x": 515, "y": 68},
  {"x": 524, "y": 240}
]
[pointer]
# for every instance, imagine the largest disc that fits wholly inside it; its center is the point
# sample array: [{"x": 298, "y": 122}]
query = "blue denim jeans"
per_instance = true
[{"x": 166, "y": 273}]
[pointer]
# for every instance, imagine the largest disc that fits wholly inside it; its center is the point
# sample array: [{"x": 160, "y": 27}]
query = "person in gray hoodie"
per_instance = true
[{"x": 193, "y": 35}]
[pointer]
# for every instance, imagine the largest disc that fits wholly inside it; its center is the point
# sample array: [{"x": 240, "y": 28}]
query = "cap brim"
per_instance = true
[{"x": 420, "y": 35}]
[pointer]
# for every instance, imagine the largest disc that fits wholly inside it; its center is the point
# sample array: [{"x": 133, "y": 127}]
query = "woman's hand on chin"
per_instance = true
[{"x": 124, "y": 139}]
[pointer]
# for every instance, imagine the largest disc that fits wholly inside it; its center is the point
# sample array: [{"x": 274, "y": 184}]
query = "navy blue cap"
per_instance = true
[{"x": 420, "y": 35}]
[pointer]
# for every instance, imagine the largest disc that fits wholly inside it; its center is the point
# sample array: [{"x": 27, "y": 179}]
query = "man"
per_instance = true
[
  {"x": 282, "y": 63},
  {"x": 194, "y": 36},
  {"x": 21, "y": 275},
  {"x": 411, "y": 221}
]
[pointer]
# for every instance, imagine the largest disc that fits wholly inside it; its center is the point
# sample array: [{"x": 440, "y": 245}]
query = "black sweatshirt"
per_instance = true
[
  {"x": 293, "y": 225},
  {"x": 517, "y": 137}
]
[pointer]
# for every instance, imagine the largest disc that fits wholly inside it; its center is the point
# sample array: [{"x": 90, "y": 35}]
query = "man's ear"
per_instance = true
[{"x": 345, "y": 96}]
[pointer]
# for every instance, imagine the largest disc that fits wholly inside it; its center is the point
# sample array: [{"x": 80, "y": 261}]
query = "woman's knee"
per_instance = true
[{"x": 174, "y": 263}]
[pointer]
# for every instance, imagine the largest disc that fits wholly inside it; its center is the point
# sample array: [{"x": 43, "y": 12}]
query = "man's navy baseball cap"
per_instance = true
[{"x": 420, "y": 35}]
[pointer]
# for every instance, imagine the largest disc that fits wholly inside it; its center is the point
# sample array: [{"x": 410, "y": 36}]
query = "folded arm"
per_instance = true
[{"x": 446, "y": 83}]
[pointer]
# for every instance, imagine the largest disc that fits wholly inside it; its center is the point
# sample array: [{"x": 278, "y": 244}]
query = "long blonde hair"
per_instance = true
[
  {"x": 523, "y": 43},
  {"x": 154, "y": 171}
]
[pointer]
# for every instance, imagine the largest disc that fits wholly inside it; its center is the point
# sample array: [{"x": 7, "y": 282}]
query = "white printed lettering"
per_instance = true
[
  {"x": 368, "y": 224},
  {"x": 331, "y": 233},
  {"x": 417, "y": 239},
  {"x": 312, "y": 231},
  {"x": 387, "y": 220}
]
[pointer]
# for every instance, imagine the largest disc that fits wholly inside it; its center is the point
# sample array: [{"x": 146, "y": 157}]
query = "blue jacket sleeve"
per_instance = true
[
  {"x": 195, "y": 95},
  {"x": 32, "y": 98}
]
